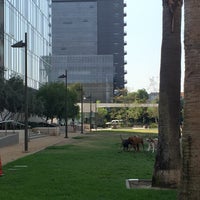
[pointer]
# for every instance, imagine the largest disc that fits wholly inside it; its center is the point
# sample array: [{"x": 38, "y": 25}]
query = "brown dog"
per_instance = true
[{"x": 135, "y": 141}]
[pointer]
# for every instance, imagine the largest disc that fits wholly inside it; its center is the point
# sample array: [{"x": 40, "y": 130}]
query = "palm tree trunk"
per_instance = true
[
  {"x": 167, "y": 164},
  {"x": 190, "y": 174}
]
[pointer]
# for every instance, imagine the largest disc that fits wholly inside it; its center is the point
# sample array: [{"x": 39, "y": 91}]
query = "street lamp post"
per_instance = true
[
  {"x": 66, "y": 115},
  {"x": 22, "y": 44},
  {"x": 81, "y": 109},
  {"x": 90, "y": 112},
  {"x": 80, "y": 89},
  {"x": 95, "y": 116}
]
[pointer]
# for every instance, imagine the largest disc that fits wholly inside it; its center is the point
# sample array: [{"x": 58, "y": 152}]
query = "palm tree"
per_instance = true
[
  {"x": 190, "y": 175},
  {"x": 167, "y": 165}
]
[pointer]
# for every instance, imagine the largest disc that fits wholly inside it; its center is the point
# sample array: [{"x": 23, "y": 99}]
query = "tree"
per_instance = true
[
  {"x": 2, "y": 94},
  {"x": 190, "y": 175},
  {"x": 72, "y": 100},
  {"x": 141, "y": 96},
  {"x": 167, "y": 165},
  {"x": 100, "y": 118},
  {"x": 13, "y": 97},
  {"x": 35, "y": 104},
  {"x": 120, "y": 95},
  {"x": 118, "y": 113},
  {"x": 136, "y": 114},
  {"x": 53, "y": 97},
  {"x": 153, "y": 113},
  {"x": 130, "y": 98}
]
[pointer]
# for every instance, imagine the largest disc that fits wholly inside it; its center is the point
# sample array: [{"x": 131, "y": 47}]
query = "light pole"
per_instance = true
[
  {"x": 66, "y": 116},
  {"x": 95, "y": 119},
  {"x": 80, "y": 89},
  {"x": 90, "y": 114},
  {"x": 22, "y": 44},
  {"x": 81, "y": 109}
]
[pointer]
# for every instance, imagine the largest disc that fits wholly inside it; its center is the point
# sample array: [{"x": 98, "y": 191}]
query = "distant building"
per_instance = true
[
  {"x": 153, "y": 96},
  {"x": 88, "y": 41},
  {"x": 95, "y": 73},
  {"x": 16, "y": 18}
]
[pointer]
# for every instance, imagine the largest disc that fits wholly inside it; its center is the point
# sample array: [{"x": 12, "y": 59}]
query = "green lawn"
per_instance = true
[{"x": 89, "y": 168}]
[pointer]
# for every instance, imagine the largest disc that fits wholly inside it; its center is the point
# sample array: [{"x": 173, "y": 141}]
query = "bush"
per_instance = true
[{"x": 153, "y": 125}]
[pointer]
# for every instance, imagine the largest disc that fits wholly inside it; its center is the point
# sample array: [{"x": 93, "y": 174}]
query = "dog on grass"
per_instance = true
[
  {"x": 125, "y": 144},
  {"x": 152, "y": 144},
  {"x": 136, "y": 141}
]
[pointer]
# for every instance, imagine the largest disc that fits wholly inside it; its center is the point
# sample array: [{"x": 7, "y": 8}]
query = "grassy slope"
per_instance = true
[{"x": 91, "y": 168}]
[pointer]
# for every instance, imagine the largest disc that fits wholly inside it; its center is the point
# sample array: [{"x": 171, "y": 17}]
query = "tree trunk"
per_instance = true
[
  {"x": 190, "y": 174},
  {"x": 167, "y": 164}
]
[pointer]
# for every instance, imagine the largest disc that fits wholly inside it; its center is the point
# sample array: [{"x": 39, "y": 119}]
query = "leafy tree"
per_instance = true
[
  {"x": 153, "y": 113},
  {"x": 35, "y": 104},
  {"x": 2, "y": 94},
  {"x": 12, "y": 98},
  {"x": 49, "y": 94},
  {"x": 53, "y": 97},
  {"x": 100, "y": 118},
  {"x": 15, "y": 94},
  {"x": 116, "y": 113},
  {"x": 130, "y": 98},
  {"x": 136, "y": 114},
  {"x": 141, "y": 96},
  {"x": 120, "y": 95},
  {"x": 72, "y": 100}
]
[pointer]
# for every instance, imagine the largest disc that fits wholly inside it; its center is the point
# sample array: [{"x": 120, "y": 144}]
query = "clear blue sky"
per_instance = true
[{"x": 144, "y": 34}]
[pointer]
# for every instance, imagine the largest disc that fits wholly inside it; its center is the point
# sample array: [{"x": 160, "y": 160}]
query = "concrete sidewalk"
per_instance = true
[{"x": 13, "y": 152}]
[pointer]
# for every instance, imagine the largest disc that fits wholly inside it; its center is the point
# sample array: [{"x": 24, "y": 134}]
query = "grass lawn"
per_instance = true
[{"x": 89, "y": 168}]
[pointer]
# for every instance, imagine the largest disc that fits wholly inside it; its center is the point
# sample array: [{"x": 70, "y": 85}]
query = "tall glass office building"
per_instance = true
[
  {"x": 88, "y": 41},
  {"x": 18, "y": 17}
]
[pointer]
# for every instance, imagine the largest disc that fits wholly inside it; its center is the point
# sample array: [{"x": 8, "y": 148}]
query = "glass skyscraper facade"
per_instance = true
[
  {"x": 33, "y": 17},
  {"x": 88, "y": 41}
]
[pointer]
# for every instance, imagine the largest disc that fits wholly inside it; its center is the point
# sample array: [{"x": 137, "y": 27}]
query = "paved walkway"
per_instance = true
[{"x": 13, "y": 152}]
